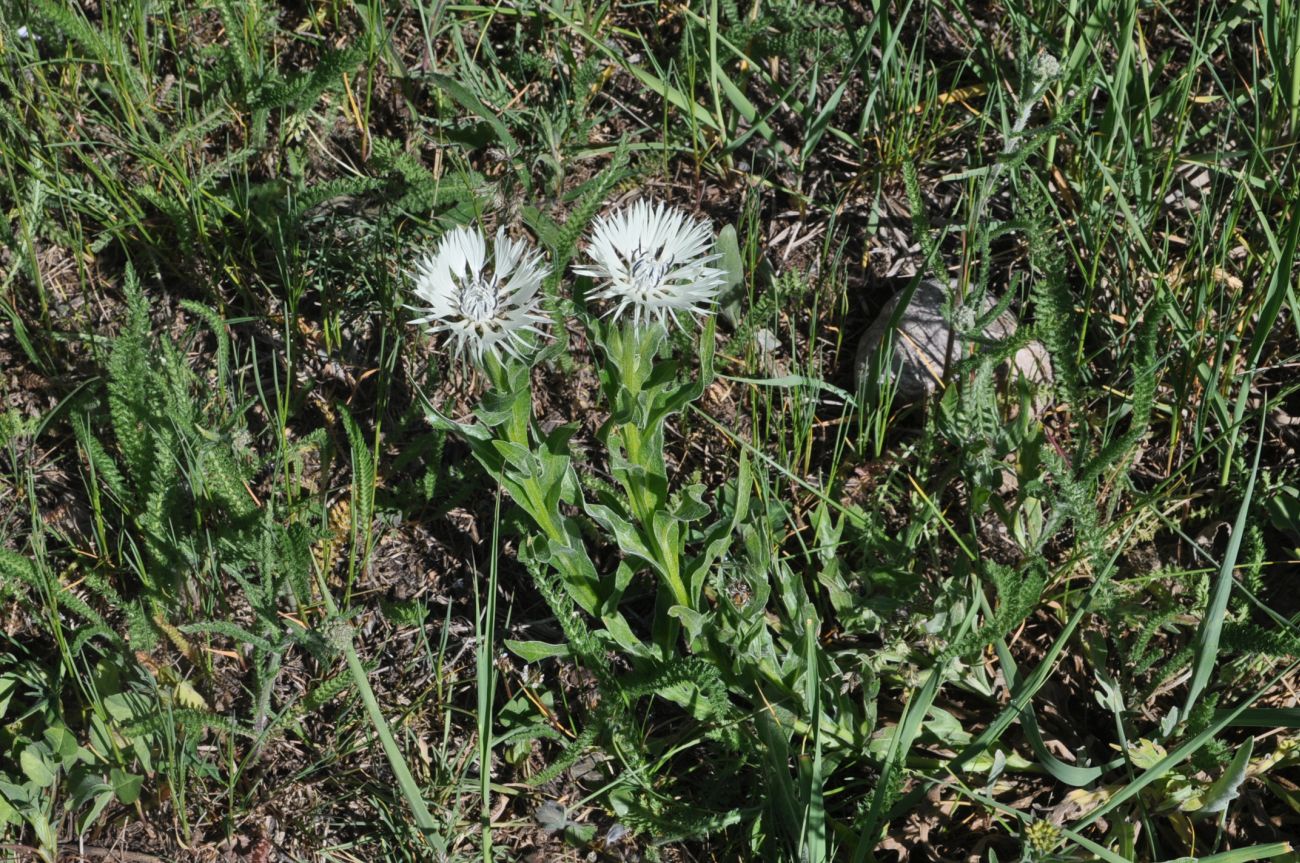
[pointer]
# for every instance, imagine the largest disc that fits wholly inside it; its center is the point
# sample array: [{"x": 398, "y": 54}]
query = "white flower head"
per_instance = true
[
  {"x": 485, "y": 306},
  {"x": 654, "y": 261}
]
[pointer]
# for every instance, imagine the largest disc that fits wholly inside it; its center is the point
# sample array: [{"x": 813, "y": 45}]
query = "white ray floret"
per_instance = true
[
  {"x": 485, "y": 306},
  {"x": 653, "y": 261}
]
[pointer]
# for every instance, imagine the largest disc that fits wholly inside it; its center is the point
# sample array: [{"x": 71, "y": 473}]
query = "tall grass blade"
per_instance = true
[{"x": 1211, "y": 628}]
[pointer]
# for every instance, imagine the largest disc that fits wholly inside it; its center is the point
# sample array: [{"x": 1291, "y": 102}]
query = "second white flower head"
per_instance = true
[
  {"x": 654, "y": 261},
  {"x": 484, "y": 307}
]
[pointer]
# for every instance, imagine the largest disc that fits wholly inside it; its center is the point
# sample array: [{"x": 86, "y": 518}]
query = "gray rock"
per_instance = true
[
  {"x": 766, "y": 341},
  {"x": 1034, "y": 364},
  {"x": 925, "y": 345}
]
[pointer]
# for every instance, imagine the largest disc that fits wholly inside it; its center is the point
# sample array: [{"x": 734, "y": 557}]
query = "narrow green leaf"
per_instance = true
[
  {"x": 814, "y": 833},
  {"x": 1069, "y": 774},
  {"x": 1264, "y": 717},
  {"x": 1241, "y": 855},
  {"x": 793, "y": 382},
  {"x": 672, "y": 95},
  {"x": 1182, "y": 753},
  {"x": 91, "y": 815},
  {"x": 900, "y": 743},
  {"x": 1211, "y": 628},
  {"x": 1227, "y": 787},
  {"x": 475, "y": 106}
]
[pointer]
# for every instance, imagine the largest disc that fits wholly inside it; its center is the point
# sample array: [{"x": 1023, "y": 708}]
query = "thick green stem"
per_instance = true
[
  {"x": 642, "y": 498},
  {"x": 645, "y": 504}
]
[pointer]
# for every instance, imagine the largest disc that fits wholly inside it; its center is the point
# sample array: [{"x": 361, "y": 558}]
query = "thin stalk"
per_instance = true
[
  {"x": 485, "y": 619},
  {"x": 340, "y": 635}
]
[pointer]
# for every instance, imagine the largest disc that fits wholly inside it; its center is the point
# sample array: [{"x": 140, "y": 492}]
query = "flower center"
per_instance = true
[
  {"x": 648, "y": 272},
  {"x": 480, "y": 298}
]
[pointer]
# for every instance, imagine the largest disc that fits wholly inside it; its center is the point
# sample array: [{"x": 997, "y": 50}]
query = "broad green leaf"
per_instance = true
[
  {"x": 472, "y": 431},
  {"x": 694, "y": 621},
  {"x": 83, "y": 785},
  {"x": 188, "y": 696},
  {"x": 20, "y": 795},
  {"x": 46, "y": 837},
  {"x": 126, "y": 785},
  {"x": 580, "y": 578},
  {"x": 518, "y": 457},
  {"x": 1146, "y": 754},
  {"x": 125, "y": 706},
  {"x": 35, "y": 762},
  {"x": 1283, "y": 509},
  {"x": 732, "y": 295},
  {"x": 63, "y": 744},
  {"x": 689, "y": 505},
  {"x": 946, "y": 728},
  {"x": 618, "y": 628},
  {"x": 86, "y": 788},
  {"x": 8, "y": 814},
  {"x": 625, "y": 534},
  {"x": 535, "y": 651}
]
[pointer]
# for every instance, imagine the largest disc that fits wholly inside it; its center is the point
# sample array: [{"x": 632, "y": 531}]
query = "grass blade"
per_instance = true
[{"x": 1211, "y": 628}]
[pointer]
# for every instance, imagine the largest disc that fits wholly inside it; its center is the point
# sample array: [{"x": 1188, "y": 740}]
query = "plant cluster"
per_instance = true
[{"x": 252, "y": 569}]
